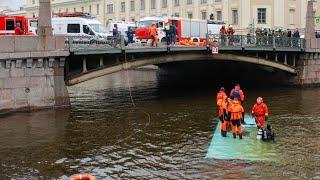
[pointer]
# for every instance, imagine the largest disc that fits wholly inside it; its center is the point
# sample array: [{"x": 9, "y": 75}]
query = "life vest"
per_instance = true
[
  {"x": 221, "y": 96},
  {"x": 153, "y": 31},
  {"x": 238, "y": 94},
  {"x": 223, "y": 107},
  {"x": 260, "y": 110},
  {"x": 236, "y": 110}
]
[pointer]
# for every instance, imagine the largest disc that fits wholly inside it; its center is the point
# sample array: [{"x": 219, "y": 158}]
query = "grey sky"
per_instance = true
[{"x": 14, "y": 4}]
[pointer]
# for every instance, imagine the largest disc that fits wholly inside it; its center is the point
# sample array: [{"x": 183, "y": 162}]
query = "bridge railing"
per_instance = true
[
  {"x": 227, "y": 42},
  {"x": 259, "y": 42},
  {"x": 91, "y": 43}
]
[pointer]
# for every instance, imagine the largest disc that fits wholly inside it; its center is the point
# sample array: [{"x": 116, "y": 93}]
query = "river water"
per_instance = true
[{"x": 163, "y": 132}]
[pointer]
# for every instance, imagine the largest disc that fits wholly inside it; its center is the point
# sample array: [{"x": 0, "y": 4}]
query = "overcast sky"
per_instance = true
[{"x": 15, "y": 4}]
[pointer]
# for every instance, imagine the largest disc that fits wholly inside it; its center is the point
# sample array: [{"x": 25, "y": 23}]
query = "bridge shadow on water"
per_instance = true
[{"x": 205, "y": 76}]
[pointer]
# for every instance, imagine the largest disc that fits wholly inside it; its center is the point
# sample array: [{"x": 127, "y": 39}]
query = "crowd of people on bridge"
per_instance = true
[
  {"x": 231, "y": 112},
  {"x": 227, "y": 34},
  {"x": 261, "y": 36}
]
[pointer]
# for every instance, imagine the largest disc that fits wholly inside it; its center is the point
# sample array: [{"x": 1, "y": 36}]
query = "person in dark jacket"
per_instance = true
[
  {"x": 173, "y": 34},
  {"x": 130, "y": 34},
  {"x": 296, "y": 33},
  {"x": 115, "y": 31}
]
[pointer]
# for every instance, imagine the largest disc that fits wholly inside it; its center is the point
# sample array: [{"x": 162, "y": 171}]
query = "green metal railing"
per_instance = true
[
  {"x": 223, "y": 42},
  {"x": 259, "y": 42}
]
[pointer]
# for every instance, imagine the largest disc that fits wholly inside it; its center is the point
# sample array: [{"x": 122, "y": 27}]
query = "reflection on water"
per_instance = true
[{"x": 102, "y": 133}]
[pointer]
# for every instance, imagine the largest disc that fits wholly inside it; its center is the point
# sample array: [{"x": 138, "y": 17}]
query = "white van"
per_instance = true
[{"x": 78, "y": 26}]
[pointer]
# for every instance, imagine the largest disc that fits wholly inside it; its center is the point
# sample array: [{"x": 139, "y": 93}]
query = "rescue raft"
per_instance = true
[{"x": 248, "y": 148}]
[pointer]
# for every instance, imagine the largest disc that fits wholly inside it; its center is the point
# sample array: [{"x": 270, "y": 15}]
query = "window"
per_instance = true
[
  {"x": 189, "y": 1},
  {"x": 176, "y": 2},
  {"x": 153, "y": 4},
  {"x": 176, "y": 15},
  {"x": 262, "y": 15},
  {"x": 123, "y": 6},
  {"x": 73, "y": 28},
  {"x": 33, "y": 1},
  {"x": 110, "y": 8},
  {"x": 219, "y": 15},
  {"x": 291, "y": 16},
  {"x": 132, "y": 7},
  {"x": 234, "y": 16},
  {"x": 10, "y": 24},
  {"x": 142, "y": 5},
  {"x": 82, "y": 9},
  {"x": 190, "y": 15},
  {"x": 164, "y": 3},
  {"x": 74, "y": 9},
  {"x": 67, "y": 10},
  {"x": 89, "y": 8},
  {"x": 87, "y": 30},
  {"x": 203, "y": 1},
  {"x": 98, "y": 9},
  {"x": 203, "y": 15}
]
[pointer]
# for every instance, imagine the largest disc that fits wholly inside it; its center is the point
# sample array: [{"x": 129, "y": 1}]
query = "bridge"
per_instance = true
[
  {"x": 34, "y": 70},
  {"x": 108, "y": 56}
]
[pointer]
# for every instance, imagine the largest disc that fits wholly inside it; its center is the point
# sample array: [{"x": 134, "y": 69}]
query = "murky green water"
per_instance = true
[{"x": 103, "y": 134}]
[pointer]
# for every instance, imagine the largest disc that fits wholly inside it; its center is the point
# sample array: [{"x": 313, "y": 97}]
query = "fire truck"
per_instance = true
[
  {"x": 188, "y": 29},
  {"x": 8, "y": 23}
]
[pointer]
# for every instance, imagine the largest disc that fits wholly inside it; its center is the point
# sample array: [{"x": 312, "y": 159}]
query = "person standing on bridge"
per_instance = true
[
  {"x": 236, "y": 115},
  {"x": 230, "y": 32},
  {"x": 115, "y": 31},
  {"x": 223, "y": 33},
  {"x": 237, "y": 93},
  {"x": 260, "y": 112},
  {"x": 154, "y": 34},
  {"x": 296, "y": 33},
  {"x": 173, "y": 32},
  {"x": 130, "y": 34},
  {"x": 166, "y": 30},
  {"x": 222, "y": 104},
  {"x": 18, "y": 30}
]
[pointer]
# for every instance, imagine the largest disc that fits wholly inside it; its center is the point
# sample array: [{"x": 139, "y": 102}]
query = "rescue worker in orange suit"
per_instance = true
[
  {"x": 222, "y": 103},
  {"x": 223, "y": 33},
  {"x": 236, "y": 115},
  {"x": 18, "y": 30},
  {"x": 260, "y": 112},
  {"x": 237, "y": 93},
  {"x": 154, "y": 34},
  {"x": 230, "y": 32}
]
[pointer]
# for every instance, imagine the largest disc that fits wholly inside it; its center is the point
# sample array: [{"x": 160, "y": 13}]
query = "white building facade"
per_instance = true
[{"x": 288, "y": 14}]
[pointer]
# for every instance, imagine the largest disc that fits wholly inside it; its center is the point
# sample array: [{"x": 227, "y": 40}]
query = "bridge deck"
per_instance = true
[{"x": 226, "y": 43}]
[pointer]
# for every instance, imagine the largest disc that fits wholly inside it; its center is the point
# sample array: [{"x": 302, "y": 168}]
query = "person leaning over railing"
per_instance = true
[
  {"x": 223, "y": 33},
  {"x": 230, "y": 32},
  {"x": 296, "y": 35}
]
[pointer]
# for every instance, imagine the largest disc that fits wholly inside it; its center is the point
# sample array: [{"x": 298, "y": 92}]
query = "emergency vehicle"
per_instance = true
[
  {"x": 188, "y": 29},
  {"x": 8, "y": 24},
  {"x": 78, "y": 24}
]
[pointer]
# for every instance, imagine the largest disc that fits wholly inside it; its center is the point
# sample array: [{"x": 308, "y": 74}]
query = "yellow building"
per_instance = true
[{"x": 240, "y": 13}]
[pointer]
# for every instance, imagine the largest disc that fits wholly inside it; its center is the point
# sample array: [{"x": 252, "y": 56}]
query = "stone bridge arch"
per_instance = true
[{"x": 132, "y": 62}]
